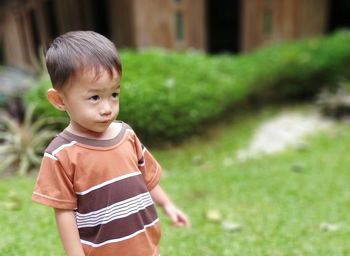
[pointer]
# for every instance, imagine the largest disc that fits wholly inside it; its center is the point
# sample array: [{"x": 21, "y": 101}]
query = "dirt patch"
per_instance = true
[{"x": 286, "y": 130}]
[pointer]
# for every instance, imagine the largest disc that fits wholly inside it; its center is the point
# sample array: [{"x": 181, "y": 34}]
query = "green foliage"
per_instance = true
[
  {"x": 36, "y": 97},
  {"x": 300, "y": 69},
  {"x": 22, "y": 144},
  {"x": 170, "y": 95}
]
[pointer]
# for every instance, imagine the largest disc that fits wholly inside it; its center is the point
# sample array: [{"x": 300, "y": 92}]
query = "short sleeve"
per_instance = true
[
  {"x": 148, "y": 165},
  {"x": 54, "y": 185}
]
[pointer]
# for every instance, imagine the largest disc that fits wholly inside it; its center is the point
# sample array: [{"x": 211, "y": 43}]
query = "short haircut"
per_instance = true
[{"x": 80, "y": 50}]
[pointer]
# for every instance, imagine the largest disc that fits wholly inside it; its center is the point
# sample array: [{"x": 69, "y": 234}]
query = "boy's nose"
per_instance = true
[{"x": 106, "y": 109}]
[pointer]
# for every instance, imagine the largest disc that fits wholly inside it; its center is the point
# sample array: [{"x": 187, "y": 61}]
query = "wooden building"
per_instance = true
[
  {"x": 27, "y": 26},
  {"x": 281, "y": 20}
]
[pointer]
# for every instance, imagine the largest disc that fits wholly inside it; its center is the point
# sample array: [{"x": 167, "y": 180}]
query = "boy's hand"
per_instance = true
[{"x": 177, "y": 217}]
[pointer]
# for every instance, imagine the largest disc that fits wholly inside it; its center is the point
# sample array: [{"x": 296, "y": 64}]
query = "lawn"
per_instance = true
[{"x": 293, "y": 203}]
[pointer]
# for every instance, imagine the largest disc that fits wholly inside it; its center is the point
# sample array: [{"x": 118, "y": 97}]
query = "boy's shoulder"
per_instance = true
[
  {"x": 56, "y": 143},
  {"x": 125, "y": 125}
]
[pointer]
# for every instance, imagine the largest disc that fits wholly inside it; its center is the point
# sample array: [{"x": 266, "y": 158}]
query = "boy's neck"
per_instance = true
[{"x": 111, "y": 132}]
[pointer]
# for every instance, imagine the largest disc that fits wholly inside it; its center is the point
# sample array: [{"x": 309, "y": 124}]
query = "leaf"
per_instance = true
[
  {"x": 10, "y": 123},
  {"x": 40, "y": 139},
  {"x": 24, "y": 166},
  {"x": 13, "y": 196},
  {"x": 28, "y": 117},
  {"x": 34, "y": 159},
  {"x": 213, "y": 215},
  {"x": 298, "y": 167},
  {"x": 21, "y": 144},
  {"x": 231, "y": 226},
  {"x": 329, "y": 227},
  {"x": 6, "y": 149},
  {"x": 10, "y": 205},
  {"x": 5, "y": 164}
]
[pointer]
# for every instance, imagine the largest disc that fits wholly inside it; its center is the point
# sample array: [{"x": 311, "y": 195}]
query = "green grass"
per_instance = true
[{"x": 280, "y": 210}]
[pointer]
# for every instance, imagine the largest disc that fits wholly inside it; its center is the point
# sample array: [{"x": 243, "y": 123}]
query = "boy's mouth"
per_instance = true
[{"x": 104, "y": 121}]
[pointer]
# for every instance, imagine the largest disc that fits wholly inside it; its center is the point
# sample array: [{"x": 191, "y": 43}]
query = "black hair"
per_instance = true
[{"x": 79, "y": 50}]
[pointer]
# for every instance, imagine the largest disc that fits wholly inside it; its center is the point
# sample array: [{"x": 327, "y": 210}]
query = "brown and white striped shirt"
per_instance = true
[{"x": 107, "y": 184}]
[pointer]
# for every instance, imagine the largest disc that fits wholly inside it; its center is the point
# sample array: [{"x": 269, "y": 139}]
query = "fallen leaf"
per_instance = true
[
  {"x": 213, "y": 215},
  {"x": 297, "y": 167},
  {"x": 329, "y": 227},
  {"x": 11, "y": 205},
  {"x": 231, "y": 226}
]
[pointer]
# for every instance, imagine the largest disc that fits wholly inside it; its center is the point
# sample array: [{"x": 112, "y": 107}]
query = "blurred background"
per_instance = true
[
  {"x": 206, "y": 27},
  {"x": 28, "y": 26},
  {"x": 245, "y": 103}
]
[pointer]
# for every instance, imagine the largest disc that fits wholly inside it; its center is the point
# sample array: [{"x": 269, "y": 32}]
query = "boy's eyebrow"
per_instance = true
[
  {"x": 99, "y": 90},
  {"x": 94, "y": 90}
]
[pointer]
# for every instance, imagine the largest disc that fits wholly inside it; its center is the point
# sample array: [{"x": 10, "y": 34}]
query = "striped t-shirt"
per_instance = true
[{"x": 107, "y": 184}]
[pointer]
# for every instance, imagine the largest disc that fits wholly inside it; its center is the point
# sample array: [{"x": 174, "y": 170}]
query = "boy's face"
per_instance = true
[{"x": 92, "y": 104}]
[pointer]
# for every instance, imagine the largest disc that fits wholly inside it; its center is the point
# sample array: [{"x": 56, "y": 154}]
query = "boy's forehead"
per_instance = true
[{"x": 93, "y": 75}]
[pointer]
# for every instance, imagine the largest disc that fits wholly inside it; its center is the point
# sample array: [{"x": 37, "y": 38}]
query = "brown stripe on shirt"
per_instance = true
[
  {"x": 112, "y": 193},
  {"x": 56, "y": 143},
  {"x": 142, "y": 244},
  {"x": 126, "y": 227}
]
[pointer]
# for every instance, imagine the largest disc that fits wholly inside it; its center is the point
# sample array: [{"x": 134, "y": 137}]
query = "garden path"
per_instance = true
[{"x": 287, "y": 129}]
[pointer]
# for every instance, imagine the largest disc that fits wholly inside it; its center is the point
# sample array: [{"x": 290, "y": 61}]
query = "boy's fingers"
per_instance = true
[
  {"x": 181, "y": 221},
  {"x": 177, "y": 217}
]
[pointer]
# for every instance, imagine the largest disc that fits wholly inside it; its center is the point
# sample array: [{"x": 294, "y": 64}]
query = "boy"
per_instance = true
[{"x": 96, "y": 174}]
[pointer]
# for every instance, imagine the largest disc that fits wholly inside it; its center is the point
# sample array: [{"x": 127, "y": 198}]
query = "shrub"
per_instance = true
[
  {"x": 22, "y": 143},
  {"x": 169, "y": 95},
  {"x": 36, "y": 96},
  {"x": 300, "y": 69}
]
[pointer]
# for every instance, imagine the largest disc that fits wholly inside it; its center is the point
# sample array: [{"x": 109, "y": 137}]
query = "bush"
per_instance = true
[
  {"x": 22, "y": 143},
  {"x": 169, "y": 95},
  {"x": 301, "y": 69}
]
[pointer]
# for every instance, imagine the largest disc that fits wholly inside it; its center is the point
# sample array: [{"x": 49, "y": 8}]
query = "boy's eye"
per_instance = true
[
  {"x": 115, "y": 94},
  {"x": 95, "y": 97}
]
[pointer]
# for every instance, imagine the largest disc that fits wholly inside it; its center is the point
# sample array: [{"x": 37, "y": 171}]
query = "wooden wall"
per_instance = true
[
  {"x": 169, "y": 23},
  {"x": 120, "y": 14},
  {"x": 23, "y": 27},
  {"x": 26, "y": 25},
  {"x": 268, "y": 21}
]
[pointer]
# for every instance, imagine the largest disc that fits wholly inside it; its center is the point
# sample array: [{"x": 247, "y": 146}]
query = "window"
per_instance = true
[
  {"x": 178, "y": 8},
  {"x": 267, "y": 22},
  {"x": 179, "y": 26}
]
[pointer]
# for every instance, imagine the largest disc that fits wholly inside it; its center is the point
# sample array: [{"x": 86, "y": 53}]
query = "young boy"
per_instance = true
[{"x": 96, "y": 174}]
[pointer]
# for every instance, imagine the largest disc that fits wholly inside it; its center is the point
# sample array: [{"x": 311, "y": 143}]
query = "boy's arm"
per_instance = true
[
  {"x": 68, "y": 231},
  {"x": 177, "y": 217}
]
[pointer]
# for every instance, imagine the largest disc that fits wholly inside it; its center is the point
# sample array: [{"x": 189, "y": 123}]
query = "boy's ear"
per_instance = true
[{"x": 55, "y": 99}]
